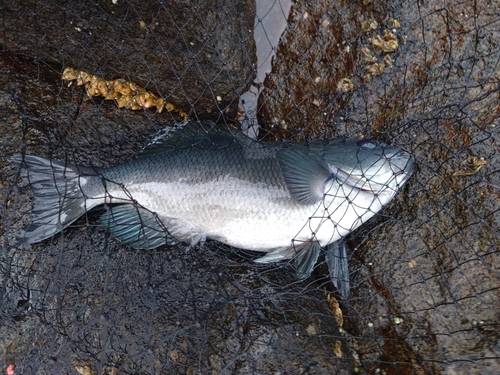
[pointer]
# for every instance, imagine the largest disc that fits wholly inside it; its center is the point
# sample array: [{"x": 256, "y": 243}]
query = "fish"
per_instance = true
[{"x": 200, "y": 181}]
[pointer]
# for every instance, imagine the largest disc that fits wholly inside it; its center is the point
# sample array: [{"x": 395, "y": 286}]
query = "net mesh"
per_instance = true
[{"x": 425, "y": 279}]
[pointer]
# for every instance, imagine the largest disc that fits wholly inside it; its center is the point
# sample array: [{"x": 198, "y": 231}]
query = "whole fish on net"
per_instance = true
[{"x": 202, "y": 181}]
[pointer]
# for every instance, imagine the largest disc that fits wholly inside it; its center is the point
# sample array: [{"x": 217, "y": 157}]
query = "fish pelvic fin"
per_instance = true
[
  {"x": 305, "y": 257},
  {"x": 338, "y": 268},
  {"x": 136, "y": 227},
  {"x": 276, "y": 255},
  {"x": 58, "y": 195}
]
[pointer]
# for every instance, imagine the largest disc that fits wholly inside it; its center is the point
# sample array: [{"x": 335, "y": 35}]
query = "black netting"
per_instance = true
[{"x": 423, "y": 76}]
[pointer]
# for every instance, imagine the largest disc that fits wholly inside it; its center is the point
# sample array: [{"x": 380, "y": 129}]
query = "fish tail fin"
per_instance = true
[
  {"x": 338, "y": 267},
  {"x": 58, "y": 196}
]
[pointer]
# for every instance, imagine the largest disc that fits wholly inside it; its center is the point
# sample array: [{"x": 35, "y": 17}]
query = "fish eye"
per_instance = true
[{"x": 367, "y": 144}]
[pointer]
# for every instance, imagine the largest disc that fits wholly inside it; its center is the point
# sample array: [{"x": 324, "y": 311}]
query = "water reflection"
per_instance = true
[{"x": 270, "y": 22}]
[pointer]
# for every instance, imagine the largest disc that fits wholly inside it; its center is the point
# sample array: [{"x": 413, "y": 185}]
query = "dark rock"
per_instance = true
[{"x": 198, "y": 58}]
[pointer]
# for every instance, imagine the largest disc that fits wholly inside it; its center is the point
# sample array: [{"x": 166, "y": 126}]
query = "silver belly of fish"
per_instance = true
[{"x": 247, "y": 215}]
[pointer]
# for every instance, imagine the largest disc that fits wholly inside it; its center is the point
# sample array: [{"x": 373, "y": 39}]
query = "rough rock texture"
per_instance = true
[
  {"x": 196, "y": 56},
  {"x": 427, "y": 295},
  {"x": 425, "y": 277},
  {"x": 82, "y": 301}
]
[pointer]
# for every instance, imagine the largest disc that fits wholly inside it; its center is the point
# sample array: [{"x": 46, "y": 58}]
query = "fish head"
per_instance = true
[{"x": 368, "y": 165}]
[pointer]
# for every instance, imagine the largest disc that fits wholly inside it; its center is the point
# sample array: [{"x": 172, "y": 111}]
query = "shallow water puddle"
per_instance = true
[{"x": 270, "y": 23}]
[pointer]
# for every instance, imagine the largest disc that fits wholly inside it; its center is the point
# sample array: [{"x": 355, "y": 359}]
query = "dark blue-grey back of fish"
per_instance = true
[{"x": 287, "y": 200}]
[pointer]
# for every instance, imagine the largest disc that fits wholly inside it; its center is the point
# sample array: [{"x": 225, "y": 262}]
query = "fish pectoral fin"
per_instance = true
[
  {"x": 305, "y": 176},
  {"x": 135, "y": 226},
  {"x": 338, "y": 267},
  {"x": 306, "y": 259}
]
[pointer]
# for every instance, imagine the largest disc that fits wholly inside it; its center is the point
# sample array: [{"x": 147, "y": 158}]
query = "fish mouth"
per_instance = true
[
  {"x": 400, "y": 167},
  {"x": 405, "y": 165}
]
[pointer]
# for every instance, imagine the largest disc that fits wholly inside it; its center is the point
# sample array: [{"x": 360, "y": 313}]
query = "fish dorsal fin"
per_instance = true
[
  {"x": 192, "y": 134},
  {"x": 305, "y": 176},
  {"x": 135, "y": 226}
]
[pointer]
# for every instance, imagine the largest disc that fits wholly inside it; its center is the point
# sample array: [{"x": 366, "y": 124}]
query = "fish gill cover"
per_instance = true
[{"x": 92, "y": 83}]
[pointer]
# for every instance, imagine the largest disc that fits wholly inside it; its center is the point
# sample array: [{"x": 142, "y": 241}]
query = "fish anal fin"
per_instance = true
[
  {"x": 306, "y": 259},
  {"x": 276, "y": 255}
]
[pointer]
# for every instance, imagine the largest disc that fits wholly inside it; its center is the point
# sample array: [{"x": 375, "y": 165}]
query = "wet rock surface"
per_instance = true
[
  {"x": 83, "y": 302},
  {"x": 198, "y": 57},
  {"x": 173, "y": 311},
  {"x": 427, "y": 290},
  {"x": 425, "y": 278},
  {"x": 325, "y": 57}
]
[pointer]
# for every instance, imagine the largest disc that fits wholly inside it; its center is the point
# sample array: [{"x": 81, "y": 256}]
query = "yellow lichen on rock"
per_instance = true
[
  {"x": 387, "y": 43},
  {"x": 335, "y": 307},
  {"x": 382, "y": 46},
  {"x": 388, "y": 61},
  {"x": 345, "y": 85},
  {"x": 376, "y": 69},
  {"x": 369, "y": 25},
  {"x": 368, "y": 56},
  {"x": 473, "y": 164},
  {"x": 394, "y": 23},
  {"x": 125, "y": 94}
]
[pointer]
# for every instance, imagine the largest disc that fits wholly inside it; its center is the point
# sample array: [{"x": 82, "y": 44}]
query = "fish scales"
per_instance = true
[{"x": 222, "y": 193}]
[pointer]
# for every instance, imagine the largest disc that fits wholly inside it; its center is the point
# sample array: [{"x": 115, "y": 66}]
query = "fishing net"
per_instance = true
[{"x": 91, "y": 82}]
